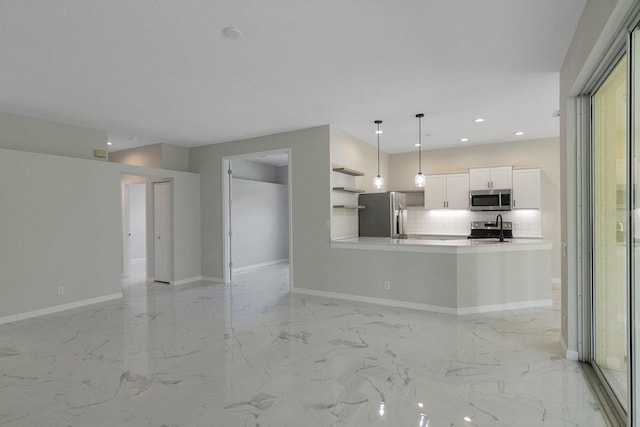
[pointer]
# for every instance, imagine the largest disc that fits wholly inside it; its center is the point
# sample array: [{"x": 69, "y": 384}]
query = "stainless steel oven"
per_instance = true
[{"x": 490, "y": 200}]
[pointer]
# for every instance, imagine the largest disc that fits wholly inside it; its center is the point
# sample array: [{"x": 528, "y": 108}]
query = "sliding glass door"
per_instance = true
[
  {"x": 610, "y": 251},
  {"x": 634, "y": 236}
]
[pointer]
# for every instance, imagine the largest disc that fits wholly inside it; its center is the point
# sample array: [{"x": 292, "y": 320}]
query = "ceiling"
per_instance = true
[{"x": 151, "y": 71}]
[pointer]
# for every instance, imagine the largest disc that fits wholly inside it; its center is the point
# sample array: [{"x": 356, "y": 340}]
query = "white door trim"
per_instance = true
[
  {"x": 125, "y": 229},
  {"x": 226, "y": 199},
  {"x": 170, "y": 255}
]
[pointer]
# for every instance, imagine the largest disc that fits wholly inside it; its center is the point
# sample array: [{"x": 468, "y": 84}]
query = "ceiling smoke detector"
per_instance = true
[{"x": 231, "y": 33}]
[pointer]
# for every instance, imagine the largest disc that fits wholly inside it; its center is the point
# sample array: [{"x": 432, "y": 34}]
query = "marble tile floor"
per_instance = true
[{"x": 253, "y": 354}]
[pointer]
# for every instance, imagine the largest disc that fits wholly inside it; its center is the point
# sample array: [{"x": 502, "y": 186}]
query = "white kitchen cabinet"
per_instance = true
[
  {"x": 526, "y": 189},
  {"x": 498, "y": 178},
  {"x": 435, "y": 189},
  {"x": 450, "y": 191}
]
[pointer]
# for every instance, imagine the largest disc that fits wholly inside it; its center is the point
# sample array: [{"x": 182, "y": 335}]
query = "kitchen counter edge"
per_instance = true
[{"x": 455, "y": 246}]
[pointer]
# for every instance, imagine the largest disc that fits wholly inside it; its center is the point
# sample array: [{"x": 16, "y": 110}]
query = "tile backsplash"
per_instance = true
[{"x": 526, "y": 222}]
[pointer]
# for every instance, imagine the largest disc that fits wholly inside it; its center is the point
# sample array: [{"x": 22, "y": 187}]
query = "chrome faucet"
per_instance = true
[{"x": 499, "y": 217}]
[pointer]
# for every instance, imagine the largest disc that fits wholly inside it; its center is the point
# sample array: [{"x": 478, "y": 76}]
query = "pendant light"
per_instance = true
[
  {"x": 420, "y": 179},
  {"x": 378, "y": 182}
]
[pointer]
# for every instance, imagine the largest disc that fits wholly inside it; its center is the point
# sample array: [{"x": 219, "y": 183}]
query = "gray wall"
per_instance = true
[
  {"x": 248, "y": 169},
  {"x": 162, "y": 156},
  {"x": 282, "y": 175},
  {"x": 42, "y": 136},
  {"x": 260, "y": 219},
  {"x": 309, "y": 164},
  {"x": 187, "y": 238},
  {"x": 60, "y": 226},
  {"x": 149, "y": 156},
  {"x": 174, "y": 157},
  {"x": 61, "y": 218}
]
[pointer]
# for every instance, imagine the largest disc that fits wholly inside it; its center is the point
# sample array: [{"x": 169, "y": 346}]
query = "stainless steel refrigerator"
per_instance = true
[{"x": 384, "y": 215}]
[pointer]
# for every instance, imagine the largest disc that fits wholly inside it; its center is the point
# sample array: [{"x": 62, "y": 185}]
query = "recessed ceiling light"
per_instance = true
[
  {"x": 231, "y": 33},
  {"x": 378, "y": 132},
  {"x": 467, "y": 419},
  {"x": 109, "y": 143},
  {"x": 416, "y": 145},
  {"x": 519, "y": 133},
  {"x": 464, "y": 139},
  {"x": 479, "y": 120}
]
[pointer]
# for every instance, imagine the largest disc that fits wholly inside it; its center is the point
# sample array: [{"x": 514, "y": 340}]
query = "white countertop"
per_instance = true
[{"x": 456, "y": 246}]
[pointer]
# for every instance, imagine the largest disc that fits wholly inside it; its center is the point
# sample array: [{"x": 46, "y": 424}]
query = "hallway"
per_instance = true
[{"x": 253, "y": 354}]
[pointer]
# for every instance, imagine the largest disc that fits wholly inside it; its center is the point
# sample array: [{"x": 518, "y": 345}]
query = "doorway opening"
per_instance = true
[
  {"x": 257, "y": 221},
  {"x": 147, "y": 233},
  {"x": 137, "y": 230},
  {"x": 134, "y": 229}
]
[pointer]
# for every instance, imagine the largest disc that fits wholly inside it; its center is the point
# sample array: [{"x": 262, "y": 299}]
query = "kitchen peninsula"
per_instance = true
[{"x": 458, "y": 276}]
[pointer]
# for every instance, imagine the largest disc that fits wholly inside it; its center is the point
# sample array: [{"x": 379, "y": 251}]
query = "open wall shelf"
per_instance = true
[
  {"x": 347, "y": 171},
  {"x": 348, "y": 206},
  {"x": 348, "y": 189}
]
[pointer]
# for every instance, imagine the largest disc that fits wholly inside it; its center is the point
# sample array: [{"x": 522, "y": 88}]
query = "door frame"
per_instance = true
[
  {"x": 126, "y": 228},
  {"x": 126, "y": 225},
  {"x": 227, "y": 204},
  {"x": 153, "y": 236},
  {"x": 585, "y": 175}
]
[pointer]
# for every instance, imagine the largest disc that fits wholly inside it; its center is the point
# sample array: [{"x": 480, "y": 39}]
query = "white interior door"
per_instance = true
[
  {"x": 136, "y": 229},
  {"x": 162, "y": 231}
]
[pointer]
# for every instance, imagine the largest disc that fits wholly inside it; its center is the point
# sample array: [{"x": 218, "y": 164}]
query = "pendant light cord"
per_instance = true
[
  {"x": 378, "y": 149},
  {"x": 420, "y": 142},
  {"x": 420, "y": 116}
]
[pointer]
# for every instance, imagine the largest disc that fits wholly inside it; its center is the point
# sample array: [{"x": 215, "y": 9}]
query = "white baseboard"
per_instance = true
[
  {"x": 426, "y": 307},
  {"x": 197, "y": 279},
  {"x": 58, "y": 308},
  {"x": 260, "y": 265},
  {"x": 555, "y": 283},
  {"x": 212, "y": 279},
  {"x": 507, "y": 306},
  {"x": 572, "y": 355},
  {"x": 187, "y": 281},
  {"x": 569, "y": 354},
  {"x": 378, "y": 301}
]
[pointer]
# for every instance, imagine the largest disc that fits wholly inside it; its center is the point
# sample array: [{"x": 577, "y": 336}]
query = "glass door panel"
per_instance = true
[
  {"x": 635, "y": 220},
  {"x": 610, "y": 250}
]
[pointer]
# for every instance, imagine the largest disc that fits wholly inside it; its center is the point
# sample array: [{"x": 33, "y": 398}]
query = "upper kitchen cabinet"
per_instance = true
[
  {"x": 450, "y": 191},
  {"x": 490, "y": 178},
  {"x": 526, "y": 189}
]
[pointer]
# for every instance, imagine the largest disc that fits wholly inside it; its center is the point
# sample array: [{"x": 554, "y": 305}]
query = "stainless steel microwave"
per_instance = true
[{"x": 490, "y": 200}]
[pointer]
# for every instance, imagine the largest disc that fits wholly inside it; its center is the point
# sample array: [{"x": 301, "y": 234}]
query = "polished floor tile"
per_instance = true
[{"x": 253, "y": 354}]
